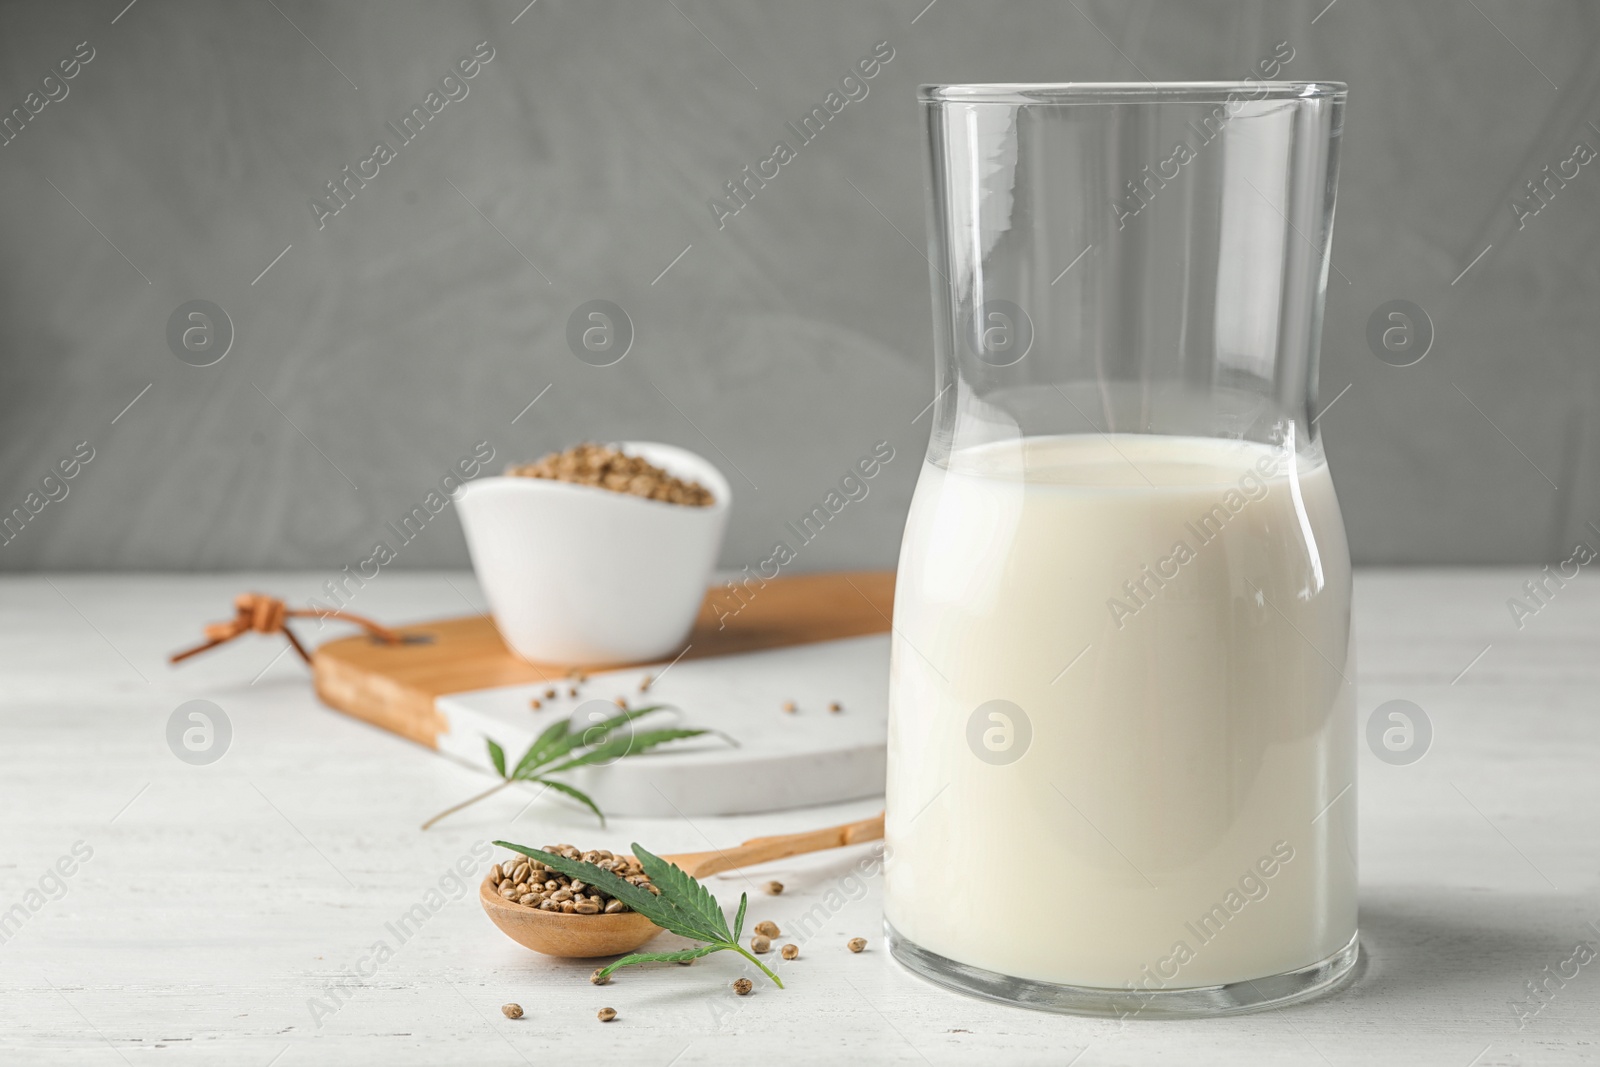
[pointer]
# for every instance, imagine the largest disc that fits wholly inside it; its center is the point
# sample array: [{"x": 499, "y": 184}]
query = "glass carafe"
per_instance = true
[{"x": 1121, "y": 735}]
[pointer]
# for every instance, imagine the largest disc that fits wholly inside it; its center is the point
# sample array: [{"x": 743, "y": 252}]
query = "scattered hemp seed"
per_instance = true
[
  {"x": 790, "y": 952},
  {"x": 511, "y": 1011},
  {"x": 789, "y": 706},
  {"x": 742, "y": 986},
  {"x": 644, "y": 683},
  {"x": 767, "y": 928},
  {"x": 550, "y": 694},
  {"x": 760, "y": 945},
  {"x": 835, "y": 706},
  {"x": 605, "y": 1015},
  {"x": 535, "y": 704},
  {"x": 621, "y": 702},
  {"x": 572, "y": 692},
  {"x": 773, "y": 888},
  {"x": 856, "y": 944},
  {"x": 599, "y": 978}
]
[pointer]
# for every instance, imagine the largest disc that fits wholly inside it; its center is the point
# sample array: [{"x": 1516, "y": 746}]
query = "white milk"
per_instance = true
[{"x": 1175, "y": 630}]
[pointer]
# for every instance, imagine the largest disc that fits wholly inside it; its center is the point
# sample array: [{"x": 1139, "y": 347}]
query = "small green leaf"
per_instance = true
[
  {"x": 557, "y": 741},
  {"x": 551, "y": 736},
  {"x": 576, "y": 794},
  {"x": 627, "y": 715},
  {"x": 660, "y": 957},
  {"x": 599, "y": 732},
  {"x": 738, "y": 920},
  {"x": 615, "y": 748},
  {"x": 683, "y": 891}
]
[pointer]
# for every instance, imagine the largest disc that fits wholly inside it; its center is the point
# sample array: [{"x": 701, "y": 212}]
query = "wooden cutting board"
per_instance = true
[{"x": 811, "y": 639}]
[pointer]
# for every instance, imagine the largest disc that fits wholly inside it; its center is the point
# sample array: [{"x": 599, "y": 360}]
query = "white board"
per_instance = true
[{"x": 781, "y": 760}]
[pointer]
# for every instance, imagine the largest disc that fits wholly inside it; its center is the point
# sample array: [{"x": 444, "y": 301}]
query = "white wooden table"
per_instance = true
[{"x": 219, "y": 900}]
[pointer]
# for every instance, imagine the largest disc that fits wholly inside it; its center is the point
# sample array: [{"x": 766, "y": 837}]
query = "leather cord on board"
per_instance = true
[{"x": 262, "y": 614}]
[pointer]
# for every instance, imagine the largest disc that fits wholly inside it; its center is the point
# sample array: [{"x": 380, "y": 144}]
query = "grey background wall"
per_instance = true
[{"x": 377, "y": 350}]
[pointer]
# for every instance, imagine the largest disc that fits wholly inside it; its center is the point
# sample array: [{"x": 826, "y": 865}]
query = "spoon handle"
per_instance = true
[{"x": 763, "y": 849}]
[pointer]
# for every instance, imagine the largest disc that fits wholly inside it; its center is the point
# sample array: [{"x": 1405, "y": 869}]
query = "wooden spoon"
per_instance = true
[{"x": 559, "y": 934}]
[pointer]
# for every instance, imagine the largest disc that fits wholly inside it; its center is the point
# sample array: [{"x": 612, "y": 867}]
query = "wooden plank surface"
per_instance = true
[
  {"x": 220, "y": 899},
  {"x": 396, "y": 686}
]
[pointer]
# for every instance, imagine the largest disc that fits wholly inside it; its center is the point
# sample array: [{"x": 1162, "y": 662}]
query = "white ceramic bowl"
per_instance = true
[{"x": 585, "y": 576}]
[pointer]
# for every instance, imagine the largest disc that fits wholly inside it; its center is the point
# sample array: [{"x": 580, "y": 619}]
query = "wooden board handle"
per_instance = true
[{"x": 764, "y": 849}]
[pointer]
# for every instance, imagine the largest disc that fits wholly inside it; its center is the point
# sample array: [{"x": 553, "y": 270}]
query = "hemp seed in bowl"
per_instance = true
[{"x": 610, "y": 468}]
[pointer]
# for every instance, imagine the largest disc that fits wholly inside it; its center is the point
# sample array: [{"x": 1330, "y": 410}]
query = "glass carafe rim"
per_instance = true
[{"x": 1012, "y": 94}]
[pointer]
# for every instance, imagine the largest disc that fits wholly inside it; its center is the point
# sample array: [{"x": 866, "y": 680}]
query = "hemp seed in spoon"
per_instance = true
[{"x": 530, "y": 883}]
